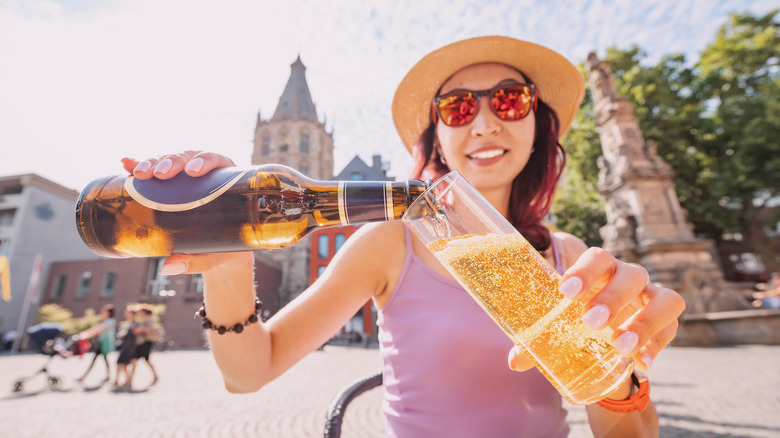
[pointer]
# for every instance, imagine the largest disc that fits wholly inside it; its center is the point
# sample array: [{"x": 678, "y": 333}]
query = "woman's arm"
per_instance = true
[
  {"x": 608, "y": 424},
  {"x": 94, "y": 331},
  {"x": 263, "y": 351}
]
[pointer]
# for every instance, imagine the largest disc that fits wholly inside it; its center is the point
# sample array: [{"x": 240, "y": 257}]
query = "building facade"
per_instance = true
[
  {"x": 90, "y": 284},
  {"x": 37, "y": 217},
  {"x": 295, "y": 137},
  {"x": 326, "y": 242}
]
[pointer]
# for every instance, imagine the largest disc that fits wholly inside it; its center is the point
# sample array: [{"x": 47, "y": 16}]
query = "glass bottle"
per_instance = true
[{"x": 262, "y": 208}]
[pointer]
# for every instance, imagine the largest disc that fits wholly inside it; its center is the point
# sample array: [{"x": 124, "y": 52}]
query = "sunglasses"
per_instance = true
[{"x": 509, "y": 102}]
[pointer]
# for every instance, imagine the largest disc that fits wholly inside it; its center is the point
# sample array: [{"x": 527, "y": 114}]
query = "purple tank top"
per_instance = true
[{"x": 445, "y": 366}]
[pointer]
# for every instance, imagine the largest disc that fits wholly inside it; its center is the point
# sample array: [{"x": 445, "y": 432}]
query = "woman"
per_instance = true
[
  {"x": 105, "y": 343},
  {"x": 144, "y": 331},
  {"x": 126, "y": 346},
  {"x": 445, "y": 360}
]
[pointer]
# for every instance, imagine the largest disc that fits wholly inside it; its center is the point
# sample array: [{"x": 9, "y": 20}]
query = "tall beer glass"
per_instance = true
[{"x": 516, "y": 286}]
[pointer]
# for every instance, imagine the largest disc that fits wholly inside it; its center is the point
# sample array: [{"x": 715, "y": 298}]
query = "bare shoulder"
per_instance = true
[
  {"x": 377, "y": 250},
  {"x": 380, "y": 236},
  {"x": 571, "y": 247}
]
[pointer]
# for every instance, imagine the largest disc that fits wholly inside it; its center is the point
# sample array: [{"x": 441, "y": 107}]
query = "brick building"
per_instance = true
[{"x": 91, "y": 284}]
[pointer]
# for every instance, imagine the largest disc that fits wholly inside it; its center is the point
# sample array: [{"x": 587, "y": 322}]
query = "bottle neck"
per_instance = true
[{"x": 373, "y": 201}]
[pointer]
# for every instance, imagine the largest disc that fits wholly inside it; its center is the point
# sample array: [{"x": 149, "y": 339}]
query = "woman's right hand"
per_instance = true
[{"x": 195, "y": 164}]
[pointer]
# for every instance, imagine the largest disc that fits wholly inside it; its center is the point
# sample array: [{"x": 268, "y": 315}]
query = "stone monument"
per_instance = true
[{"x": 645, "y": 222}]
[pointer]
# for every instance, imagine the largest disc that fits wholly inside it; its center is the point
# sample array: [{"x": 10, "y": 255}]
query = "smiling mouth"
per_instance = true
[{"x": 487, "y": 154}]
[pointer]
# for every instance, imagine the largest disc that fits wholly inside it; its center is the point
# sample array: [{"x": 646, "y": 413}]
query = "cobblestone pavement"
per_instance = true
[{"x": 699, "y": 392}]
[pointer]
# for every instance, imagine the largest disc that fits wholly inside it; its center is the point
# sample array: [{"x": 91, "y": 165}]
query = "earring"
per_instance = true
[{"x": 442, "y": 159}]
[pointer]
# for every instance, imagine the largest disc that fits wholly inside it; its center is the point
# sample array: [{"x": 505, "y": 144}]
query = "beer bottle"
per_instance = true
[{"x": 229, "y": 209}]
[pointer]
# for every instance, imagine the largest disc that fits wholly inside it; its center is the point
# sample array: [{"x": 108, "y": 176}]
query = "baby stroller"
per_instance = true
[{"x": 48, "y": 338}]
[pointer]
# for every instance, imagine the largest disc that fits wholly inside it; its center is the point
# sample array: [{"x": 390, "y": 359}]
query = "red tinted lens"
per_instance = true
[
  {"x": 458, "y": 109},
  {"x": 512, "y": 103}
]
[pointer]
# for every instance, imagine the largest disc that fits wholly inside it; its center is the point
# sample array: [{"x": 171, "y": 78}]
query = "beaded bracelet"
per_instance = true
[{"x": 238, "y": 328}]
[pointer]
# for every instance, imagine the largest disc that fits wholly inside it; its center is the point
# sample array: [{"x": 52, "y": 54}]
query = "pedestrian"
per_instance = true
[
  {"x": 146, "y": 333},
  {"x": 126, "y": 347},
  {"x": 105, "y": 333},
  {"x": 495, "y": 109},
  {"x": 769, "y": 296}
]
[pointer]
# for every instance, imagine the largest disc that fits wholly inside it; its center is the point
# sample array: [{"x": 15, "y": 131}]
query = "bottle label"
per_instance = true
[
  {"x": 182, "y": 192},
  {"x": 365, "y": 201}
]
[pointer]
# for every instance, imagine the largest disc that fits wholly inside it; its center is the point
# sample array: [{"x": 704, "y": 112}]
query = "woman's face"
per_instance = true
[{"x": 488, "y": 152}]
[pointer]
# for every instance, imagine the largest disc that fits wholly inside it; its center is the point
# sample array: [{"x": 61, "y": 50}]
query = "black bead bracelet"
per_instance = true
[{"x": 238, "y": 328}]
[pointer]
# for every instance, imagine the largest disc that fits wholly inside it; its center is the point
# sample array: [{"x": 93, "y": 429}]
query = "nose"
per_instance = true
[{"x": 485, "y": 122}]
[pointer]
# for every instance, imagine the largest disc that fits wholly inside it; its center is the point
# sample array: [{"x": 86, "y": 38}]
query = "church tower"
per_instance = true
[
  {"x": 645, "y": 222},
  {"x": 295, "y": 137}
]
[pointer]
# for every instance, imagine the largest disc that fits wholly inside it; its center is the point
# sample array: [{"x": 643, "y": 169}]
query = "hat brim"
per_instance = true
[{"x": 559, "y": 82}]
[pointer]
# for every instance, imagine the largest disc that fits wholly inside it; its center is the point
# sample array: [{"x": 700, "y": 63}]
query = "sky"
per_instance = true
[{"x": 84, "y": 83}]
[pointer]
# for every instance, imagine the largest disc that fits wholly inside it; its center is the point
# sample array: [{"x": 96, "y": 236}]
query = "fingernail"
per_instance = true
[
  {"x": 647, "y": 360},
  {"x": 173, "y": 268},
  {"x": 571, "y": 287},
  {"x": 195, "y": 165},
  {"x": 626, "y": 343},
  {"x": 596, "y": 317},
  {"x": 143, "y": 166},
  {"x": 164, "y": 166}
]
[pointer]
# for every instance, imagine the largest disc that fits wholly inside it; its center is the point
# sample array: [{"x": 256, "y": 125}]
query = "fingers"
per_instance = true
[
  {"x": 519, "y": 359},
  {"x": 654, "y": 325},
  {"x": 195, "y": 163},
  {"x": 204, "y": 162},
  {"x": 198, "y": 263},
  {"x": 619, "y": 296},
  {"x": 647, "y": 353}
]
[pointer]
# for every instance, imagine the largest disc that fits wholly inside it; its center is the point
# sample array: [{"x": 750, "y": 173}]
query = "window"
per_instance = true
[
  {"x": 322, "y": 246},
  {"x": 356, "y": 176},
  {"x": 84, "y": 281},
  {"x": 58, "y": 287},
  {"x": 109, "y": 282},
  {"x": 320, "y": 270},
  {"x": 265, "y": 148},
  {"x": 305, "y": 142},
  {"x": 11, "y": 189},
  {"x": 340, "y": 238},
  {"x": 7, "y": 216},
  {"x": 158, "y": 282},
  {"x": 284, "y": 147}
]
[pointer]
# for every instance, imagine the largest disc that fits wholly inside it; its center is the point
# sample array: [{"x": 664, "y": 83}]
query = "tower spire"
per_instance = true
[{"x": 296, "y": 102}]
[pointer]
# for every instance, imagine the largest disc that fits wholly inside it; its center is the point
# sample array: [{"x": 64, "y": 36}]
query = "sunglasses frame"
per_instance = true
[{"x": 436, "y": 111}]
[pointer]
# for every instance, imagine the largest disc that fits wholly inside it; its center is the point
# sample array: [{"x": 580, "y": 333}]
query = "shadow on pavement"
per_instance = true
[{"x": 675, "y": 431}]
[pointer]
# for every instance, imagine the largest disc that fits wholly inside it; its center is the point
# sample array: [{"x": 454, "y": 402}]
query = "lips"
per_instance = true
[{"x": 488, "y": 155}]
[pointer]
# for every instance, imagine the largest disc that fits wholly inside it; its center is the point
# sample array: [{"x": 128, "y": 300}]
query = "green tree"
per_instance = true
[
  {"x": 578, "y": 208},
  {"x": 716, "y": 124}
]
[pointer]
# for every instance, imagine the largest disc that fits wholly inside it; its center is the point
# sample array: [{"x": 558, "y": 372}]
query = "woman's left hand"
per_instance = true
[{"x": 619, "y": 295}]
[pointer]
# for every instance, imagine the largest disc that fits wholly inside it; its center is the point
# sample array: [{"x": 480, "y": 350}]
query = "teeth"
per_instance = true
[{"x": 487, "y": 154}]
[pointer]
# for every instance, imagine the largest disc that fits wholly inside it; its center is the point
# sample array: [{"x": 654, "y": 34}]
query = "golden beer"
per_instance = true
[{"x": 516, "y": 286}]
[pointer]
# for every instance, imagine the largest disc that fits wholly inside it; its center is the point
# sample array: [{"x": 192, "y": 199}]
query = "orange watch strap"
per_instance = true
[{"x": 636, "y": 402}]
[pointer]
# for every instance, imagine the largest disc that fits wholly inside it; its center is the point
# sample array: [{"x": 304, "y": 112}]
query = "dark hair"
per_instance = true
[
  {"x": 110, "y": 309},
  {"x": 532, "y": 190}
]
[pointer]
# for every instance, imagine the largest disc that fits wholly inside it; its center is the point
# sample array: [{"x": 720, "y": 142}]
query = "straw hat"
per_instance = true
[{"x": 559, "y": 82}]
